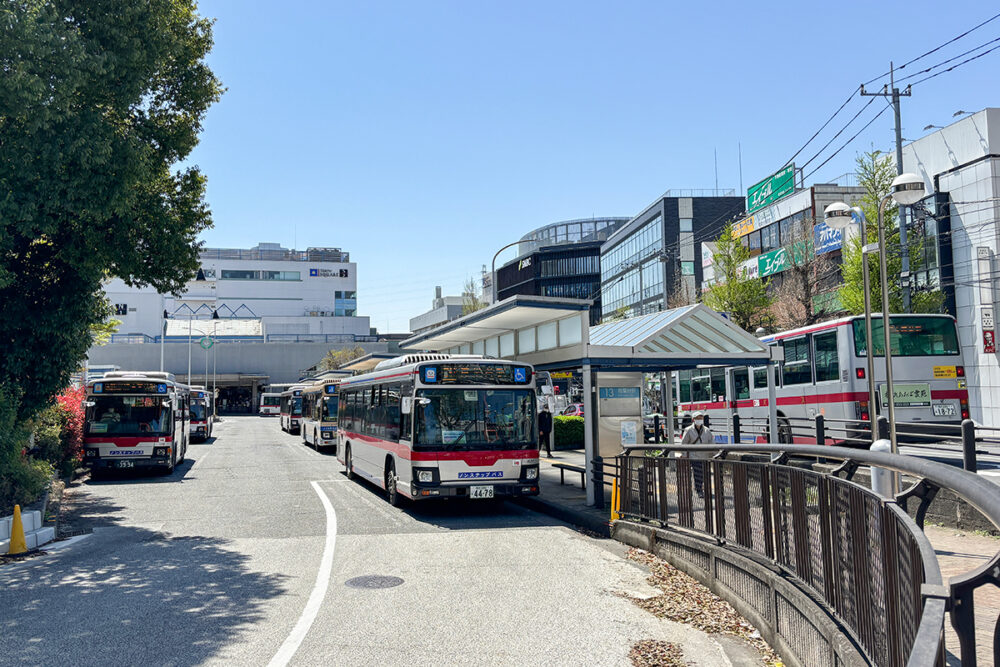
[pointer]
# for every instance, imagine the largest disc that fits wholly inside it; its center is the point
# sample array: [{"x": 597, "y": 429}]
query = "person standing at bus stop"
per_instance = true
[
  {"x": 544, "y": 429},
  {"x": 698, "y": 434}
]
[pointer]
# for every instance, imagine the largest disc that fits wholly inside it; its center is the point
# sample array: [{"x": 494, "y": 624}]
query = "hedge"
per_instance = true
[{"x": 568, "y": 432}]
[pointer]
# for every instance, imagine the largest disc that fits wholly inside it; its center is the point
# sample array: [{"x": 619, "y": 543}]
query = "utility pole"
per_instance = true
[{"x": 892, "y": 92}]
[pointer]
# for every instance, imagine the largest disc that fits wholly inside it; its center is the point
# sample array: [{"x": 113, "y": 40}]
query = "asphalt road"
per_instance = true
[{"x": 244, "y": 553}]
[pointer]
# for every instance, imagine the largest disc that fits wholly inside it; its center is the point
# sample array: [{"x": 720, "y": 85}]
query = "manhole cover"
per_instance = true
[{"x": 374, "y": 581}]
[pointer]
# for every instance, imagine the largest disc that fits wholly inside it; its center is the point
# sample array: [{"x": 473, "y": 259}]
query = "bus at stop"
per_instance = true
[
  {"x": 290, "y": 409},
  {"x": 319, "y": 414},
  {"x": 135, "y": 420},
  {"x": 441, "y": 426},
  {"x": 824, "y": 372},
  {"x": 270, "y": 404},
  {"x": 201, "y": 414}
]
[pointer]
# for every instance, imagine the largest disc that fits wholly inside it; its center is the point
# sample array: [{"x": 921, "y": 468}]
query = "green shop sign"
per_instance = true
[
  {"x": 771, "y": 189},
  {"x": 772, "y": 262}
]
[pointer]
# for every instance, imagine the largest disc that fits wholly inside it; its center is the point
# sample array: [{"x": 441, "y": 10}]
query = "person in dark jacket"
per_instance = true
[{"x": 544, "y": 429}]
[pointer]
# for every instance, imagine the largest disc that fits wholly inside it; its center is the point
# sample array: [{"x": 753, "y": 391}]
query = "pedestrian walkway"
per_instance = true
[{"x": 568, "y": 502}]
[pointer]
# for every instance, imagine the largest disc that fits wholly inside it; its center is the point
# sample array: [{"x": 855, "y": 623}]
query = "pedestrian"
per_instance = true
[
  {"x": 544, "y": 429},
  {"x": 698, "y": 434}
]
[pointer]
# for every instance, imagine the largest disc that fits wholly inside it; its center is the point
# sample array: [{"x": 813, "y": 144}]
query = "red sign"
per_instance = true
[{"x": 989, "y": 341}]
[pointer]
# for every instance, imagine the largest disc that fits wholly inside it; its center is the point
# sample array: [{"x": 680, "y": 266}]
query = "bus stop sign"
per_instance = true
[{"x": 206, "y": 343}]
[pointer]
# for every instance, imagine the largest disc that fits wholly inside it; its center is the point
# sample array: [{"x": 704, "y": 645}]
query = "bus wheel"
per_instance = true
[
  {"x": 391, "y": 479},
  {"x": 348, "y": 463},
  {"x": 784, "y": 432}
]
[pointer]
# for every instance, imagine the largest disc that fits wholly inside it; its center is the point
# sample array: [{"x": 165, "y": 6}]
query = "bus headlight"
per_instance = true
[
  {"x": 530, "y": 472},
  {"x": 90, "y": 453},
  {"x": 425, "y": 475}
]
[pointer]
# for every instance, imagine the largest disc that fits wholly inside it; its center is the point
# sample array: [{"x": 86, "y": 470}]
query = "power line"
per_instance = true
[
  {"x": 945, "y": 62},
  {"x": 955, "y": 66},
  {"x": 848, "y": 142},
  {"x": 860, "y": 111},
  {"x": 822, "y": 127},
  {"x": 937, "y": 48}
]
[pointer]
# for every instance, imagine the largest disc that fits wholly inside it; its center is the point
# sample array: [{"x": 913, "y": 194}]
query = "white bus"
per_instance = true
[
  {"x": 270, "y": 404},
  {"x": 436, "y": 425},
  {"x": 319, "y": 414},
  {"x": 290, "y": 409},
  {"x": 201, "y": 414},
  {"x": 135, "y": 420},
  {"x": 824, "y": 372}
]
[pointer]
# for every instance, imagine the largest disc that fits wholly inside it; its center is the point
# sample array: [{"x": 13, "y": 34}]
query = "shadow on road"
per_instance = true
[
  {"x": 140, "y": 475},
  {"x": 131, "y": 596}
]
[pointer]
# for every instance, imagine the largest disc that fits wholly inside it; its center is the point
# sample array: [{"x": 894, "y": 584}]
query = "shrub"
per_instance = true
[
  {"x": 59, "y": 431},
  {"x": 568, "y": 432},
  {"x": 22, "y": 478}
]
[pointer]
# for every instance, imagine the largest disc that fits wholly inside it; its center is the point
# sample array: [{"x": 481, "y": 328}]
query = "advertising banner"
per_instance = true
[
  {"x": 771, "y": 189},
  {"x": 826, "y": 238},
  {"x": 772, "y": 262}
]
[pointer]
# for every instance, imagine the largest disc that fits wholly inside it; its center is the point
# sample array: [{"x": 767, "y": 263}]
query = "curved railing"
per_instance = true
[{"x": 860, "y": 556}]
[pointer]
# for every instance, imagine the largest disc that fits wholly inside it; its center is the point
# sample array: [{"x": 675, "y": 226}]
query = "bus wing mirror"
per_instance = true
[
  {"x": 89, "y": 404},
  {"x": 406, "y": 406},
  {"x": 546, "y": 389}
]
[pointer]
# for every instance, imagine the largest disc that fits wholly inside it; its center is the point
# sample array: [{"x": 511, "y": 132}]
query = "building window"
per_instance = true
[
  {"x": 687, "y": 225},
  {"x": 687, "y": 268},
  {"x": 233, "y": 274}
]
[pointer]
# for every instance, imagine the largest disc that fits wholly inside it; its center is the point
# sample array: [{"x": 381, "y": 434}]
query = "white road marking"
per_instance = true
[
  {"x": 200, "y": 460},
  {"x": 309, "y": 613}
]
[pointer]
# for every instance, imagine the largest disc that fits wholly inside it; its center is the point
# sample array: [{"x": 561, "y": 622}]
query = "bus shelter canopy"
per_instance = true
[{"x": 554, "y": 334}]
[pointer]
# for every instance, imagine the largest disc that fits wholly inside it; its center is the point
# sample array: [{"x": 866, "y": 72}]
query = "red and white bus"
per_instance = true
[
  {"x": 319, "y": 414},
  {"x": 270, "y": 404},
  {"x": 824, "y": 372},
  {"x": 135, "y": 420},
  {"x": 290, "y": 409},
  {"x": 437, "y": 425},
  {"x": 201, "y": 414}
]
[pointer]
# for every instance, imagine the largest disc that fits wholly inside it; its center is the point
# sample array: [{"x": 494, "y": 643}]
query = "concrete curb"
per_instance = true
[
  {"x": 584, "y": 520},
  {"x": 35, "y": 535}
]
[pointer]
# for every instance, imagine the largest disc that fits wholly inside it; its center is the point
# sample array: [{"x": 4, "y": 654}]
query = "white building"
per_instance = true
[
  {"x": 960, "y": 164},
  {"x": 444, "y": 309},
  {"x": 293, "y": 293}
]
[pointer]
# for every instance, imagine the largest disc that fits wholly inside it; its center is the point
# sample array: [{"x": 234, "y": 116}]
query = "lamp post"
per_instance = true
[
  {"x": 906, "y": 190},
  {"x": 493, "y": 268}
]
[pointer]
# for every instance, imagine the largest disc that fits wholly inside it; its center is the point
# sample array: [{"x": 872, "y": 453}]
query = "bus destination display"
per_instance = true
[
  {"x": 129, "y": 388},
  {"x": 475, "y": 374}
]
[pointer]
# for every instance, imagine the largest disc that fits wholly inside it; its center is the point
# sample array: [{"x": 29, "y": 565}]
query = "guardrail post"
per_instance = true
[
  {"x": 598, "y": 482},
  {"x": 736, "y": 429},
  {"x": 820, "y": 430},
  {"x": 882, "y": 428},
  {"x": 881, "y": 478},
  {"x": 969, "y": 445},
  {"x": 656, "y": 429}
]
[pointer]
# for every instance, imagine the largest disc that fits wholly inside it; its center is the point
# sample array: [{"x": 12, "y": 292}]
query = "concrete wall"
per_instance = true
[{"x": 280, "y": 362}]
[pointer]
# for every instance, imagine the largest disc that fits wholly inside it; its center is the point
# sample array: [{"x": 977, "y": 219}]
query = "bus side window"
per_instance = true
[
  {"x": 701, "y": 387},
  {"x": 718, "y": 384},
  {"x": 797, "y": 368},
  {"x": 760, "y": 378},
  {"x": 684, "y": 383},
  {"x": 741, "y": 383},
  {"x": 827, "y": 363}
]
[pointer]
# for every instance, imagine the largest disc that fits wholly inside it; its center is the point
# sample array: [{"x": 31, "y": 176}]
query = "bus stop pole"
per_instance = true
[
  {"x": 772, "y": 405},
  {"x": 668, "y": 403},
  {"x": 589, "y": 419}
]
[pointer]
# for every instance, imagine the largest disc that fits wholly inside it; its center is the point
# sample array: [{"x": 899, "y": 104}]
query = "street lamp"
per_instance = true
[
  {"x": 906, "y": 190},
  {"x": 839, "y": 216}
]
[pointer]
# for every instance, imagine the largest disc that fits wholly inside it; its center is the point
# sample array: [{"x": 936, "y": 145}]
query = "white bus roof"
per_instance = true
[{"x": 410, "y": 361}]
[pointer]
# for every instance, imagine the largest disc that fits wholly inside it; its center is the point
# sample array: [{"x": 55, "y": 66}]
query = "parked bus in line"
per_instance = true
[
  {"x": 135, "y": 420},
  {"x": 270, "y": 404},
  {"x": 436, "y": 425},
  {"x": 319, "y": 414},
  {"x": 824, "y": 372},
  {"x": 290, "y": 409},
  {"x": 201, "y": 414}
]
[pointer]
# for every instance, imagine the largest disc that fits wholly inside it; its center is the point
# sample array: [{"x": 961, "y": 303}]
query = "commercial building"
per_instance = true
[
  {"x": 655, "y": 254},
  {"x": 562, "y": 260},
  {"x": 444, "y": 309},
  {"x": 956, "y": 231}
]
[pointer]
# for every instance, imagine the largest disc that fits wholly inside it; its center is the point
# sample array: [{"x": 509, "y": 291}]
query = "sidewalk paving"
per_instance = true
[{"x": 568, "y": 502}]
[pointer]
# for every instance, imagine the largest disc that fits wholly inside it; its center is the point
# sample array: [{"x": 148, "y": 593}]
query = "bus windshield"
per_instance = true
[
  {"x": 128, "y": 415},
  {"x": 330, "y": 408},
  {"x": 457, "y": 419},
  {"x": 909, "y": 337},
  {"x": 198, "y": 412},
  {"x": 297, "y": 405}
]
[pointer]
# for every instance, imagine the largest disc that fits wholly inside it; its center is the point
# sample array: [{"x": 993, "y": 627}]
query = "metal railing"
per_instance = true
[
  {"x": 861, "y": 555},
  {"x": 270, "y": 338}
]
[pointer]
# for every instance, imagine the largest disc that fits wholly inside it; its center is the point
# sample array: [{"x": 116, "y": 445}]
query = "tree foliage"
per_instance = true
[
  {"x": 875, "y": 172},
  {"x": 470, "y": 298},
  {"x": 336, "y": 358},
  {"x": 743, "y": 298},
  {"x": 806, "y": 277},
  {"x": 100, "y": 101}
]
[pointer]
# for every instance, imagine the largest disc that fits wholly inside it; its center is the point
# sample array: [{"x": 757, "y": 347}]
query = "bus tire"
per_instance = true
[
  {"x": 391, "y": 480},
  {"x": 785, "y": 431},
  {"x": 348, "y": 463}
]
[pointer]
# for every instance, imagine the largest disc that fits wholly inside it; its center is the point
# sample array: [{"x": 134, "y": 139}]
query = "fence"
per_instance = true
[
  {"x": 270, "y": 338},
  {"x": 767, "y": 520}
]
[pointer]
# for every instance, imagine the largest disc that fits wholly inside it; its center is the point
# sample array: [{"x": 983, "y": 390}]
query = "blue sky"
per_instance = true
[{"x": 423, "y": 136}]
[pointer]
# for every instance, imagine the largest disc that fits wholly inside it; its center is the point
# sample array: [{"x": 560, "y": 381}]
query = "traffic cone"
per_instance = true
[{"x": 17, "y": 543}]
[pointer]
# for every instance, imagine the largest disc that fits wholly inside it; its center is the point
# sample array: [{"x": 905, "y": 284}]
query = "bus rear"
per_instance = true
[
  {"x": 135, "y": 421},
  {"x": 201, "y": 415},
  {"x": 270, "y": 405}
]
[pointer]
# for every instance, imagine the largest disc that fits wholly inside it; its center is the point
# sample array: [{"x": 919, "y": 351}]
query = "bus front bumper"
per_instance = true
[
  {"x": 127, "y": 464},
  {"x": 419, "y": 492}
]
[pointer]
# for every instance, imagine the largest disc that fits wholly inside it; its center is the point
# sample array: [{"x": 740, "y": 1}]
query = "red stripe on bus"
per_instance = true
[
  {"x": 381, "y": 377},
  {"x": 127, "y": 441},
  {"x": 950, "y": 393},
  {"x": 472, "y": 458}
]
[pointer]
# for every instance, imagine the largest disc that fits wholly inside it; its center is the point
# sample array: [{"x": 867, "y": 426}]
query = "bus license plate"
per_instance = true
[
  {"x": 944, "y": 410},
  {"x": 125, "y": 464},
  {"x": 481, "y": 491}
]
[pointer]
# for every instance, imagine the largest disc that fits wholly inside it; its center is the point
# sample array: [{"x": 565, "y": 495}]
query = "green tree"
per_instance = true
[
  {"x": 336, "y": 358},
  {"x": 100, "y": 102},
  {"x": 875, "y": 172},
  {"x": 744, "y": 299}
]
